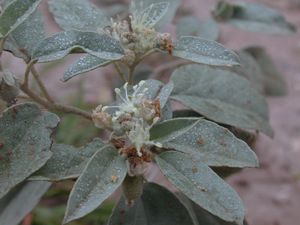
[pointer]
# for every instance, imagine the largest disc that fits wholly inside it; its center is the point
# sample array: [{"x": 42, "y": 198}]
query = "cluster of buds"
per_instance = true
[
  {"x": 138, "y": 35},
  {"x": 130, "y": 122}
]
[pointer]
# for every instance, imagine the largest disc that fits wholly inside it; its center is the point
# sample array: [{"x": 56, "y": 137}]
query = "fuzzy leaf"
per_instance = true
[
  {"x": 191, "y": 26},
  {"x": 157, "y": 206},
  {"x": 67, "y": 161},
  {"x": 153, "y": 14},
  {"x": 204, "y": 140},
  {"x": 221, "y": 96},
  {"x": 274, "y": 83},
  {"x": 250, "y": 70},
  {"x": 103, "y": 174},
  {"x": 63, "y": 43},
  {"x": 77, "y": 15},
  {"x": 255, "y": 17},
  {"x": 18, "y": 203},
  {"x": 25, "y": 37},
  {"x": 83, "y": 65},
  {"x": 199, "y": 183},
  {"x": 204, "y": 51},
  {"x": 25, "y": 143},
  {"x": 15, "y": 14},
  {"x": 139, "y": 6}
]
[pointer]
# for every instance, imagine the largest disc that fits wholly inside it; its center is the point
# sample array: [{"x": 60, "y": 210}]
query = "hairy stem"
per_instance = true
[
  {"x": 54, "y": 106},
  {"x": 121, "y": 74},
  {"x": 41, "y": 84}
]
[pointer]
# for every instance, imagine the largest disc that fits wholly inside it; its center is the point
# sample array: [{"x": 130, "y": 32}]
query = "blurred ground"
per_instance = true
[{"x": 271, "y": 193}]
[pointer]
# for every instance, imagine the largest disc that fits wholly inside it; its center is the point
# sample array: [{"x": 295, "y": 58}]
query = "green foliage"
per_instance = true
[
  {"x": 77, "y": 15},
  {"x": 139, "y": 127},
  {"x": 253, "y": 17},
  {"x": 204, "y": 140},
  {"x": 20, "y": 201},
  {"x": 61, "y": 44},
  {"x": 103, "y": 174},
  {"x": 221, "y": 96},
  {"x": 204, "y": 51},
  {"x": 25, "y": 143},
  {"x": 156, "y": 206},
  {"x": 15, "y": 13},
  {"x": 189, "y": 25},
  {"x": 198, "y": 182}
]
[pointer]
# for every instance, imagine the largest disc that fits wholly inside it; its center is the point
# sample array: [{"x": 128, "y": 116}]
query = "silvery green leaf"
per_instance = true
[
  {"x": 204, "y": 51},
  {"x": 25, "y": 143},
  {"x": 18, "y": 203},
  {"x": 204, "y": 140},
  {"x": 63, "y": 43},
  {"x": 153, "y": 14},
  {"x": 191, "y": 26},
  {"x": 199, "y": 215},
  {"x": 83, "y": 65},
  {"x": 25, "y": 37},
  {"x": 256, "y": 18},
  {"x": 165, "y": 93},
  {"x": 67, "y": 161},
  {"x": 157, "y": 206},
  {"x": 199, "y": 183},
  {"x": 221, "y": 96},
  {"x": 9, "y": 87},
  {"x": 250, "y": 70},
  {"x": 273, "y": 80},
  {"x": 140, "y": 5},
  {"x": 103, "y": 174},
  {"x": 15, "y": 13},
  {"x": 78, "y": 15}
]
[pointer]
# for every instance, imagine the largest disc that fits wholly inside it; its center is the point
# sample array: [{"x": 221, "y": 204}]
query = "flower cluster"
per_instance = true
[{"x": 130, "y": 122}]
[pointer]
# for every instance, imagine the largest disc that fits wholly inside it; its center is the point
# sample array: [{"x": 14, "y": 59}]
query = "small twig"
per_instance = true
[
  {"x": 55, "y": 106},
  {"x": 27, "y": 73},
  {"x": 131, "y": 73},
  {"x": 121, "y": 74},
  {"x": 41, "y": 84}
]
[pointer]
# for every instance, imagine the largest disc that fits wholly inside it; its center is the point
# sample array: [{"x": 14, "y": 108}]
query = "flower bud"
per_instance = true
[{"x": 132, "y": 188}]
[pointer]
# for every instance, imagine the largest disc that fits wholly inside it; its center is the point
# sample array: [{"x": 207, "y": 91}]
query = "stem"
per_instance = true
[
  {"x": 1, "y": 50},
  {"x": 27, "y": 73},
  {"x": 41, "y": 84},
  {"x": 55, "y": 106},
  {"x": 121, "y": 74},
  {"x": 130, "y": 74}
]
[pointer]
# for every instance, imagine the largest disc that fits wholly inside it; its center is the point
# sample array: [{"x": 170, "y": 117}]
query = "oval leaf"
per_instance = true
[
  {"x": 25, "y": 143},
  {"x": 25, "y": 37},
  {"x": 255, "y": 17},
  {"x": 152, "y": 14},
  {"x": 18, "y": 203},
  {"x": 15, "y": 13},
  {"x": 221, "y": 96},
  {"x": 103, "y": 174},
  {"x": 191, "y": 26},
  {"x": 250, "y": 70},
  {"x": 205, "y": 140},
  {"x": 67, "y": 161},
  {"x": 157, "y": 206},
  {"x": 273, "y": 80},
  {"x": 83, "y": 65},
  {"x": 63, "y": 43},
  {"x": 139, "y": 6},
  {"x": 204, "y": 51},
  {"x": 77, "y": 15},
  {"x": 199, "y": 183}
]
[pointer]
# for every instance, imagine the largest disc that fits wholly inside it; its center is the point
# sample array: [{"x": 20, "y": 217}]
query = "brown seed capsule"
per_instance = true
[{"x": 132, "y": 188}]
